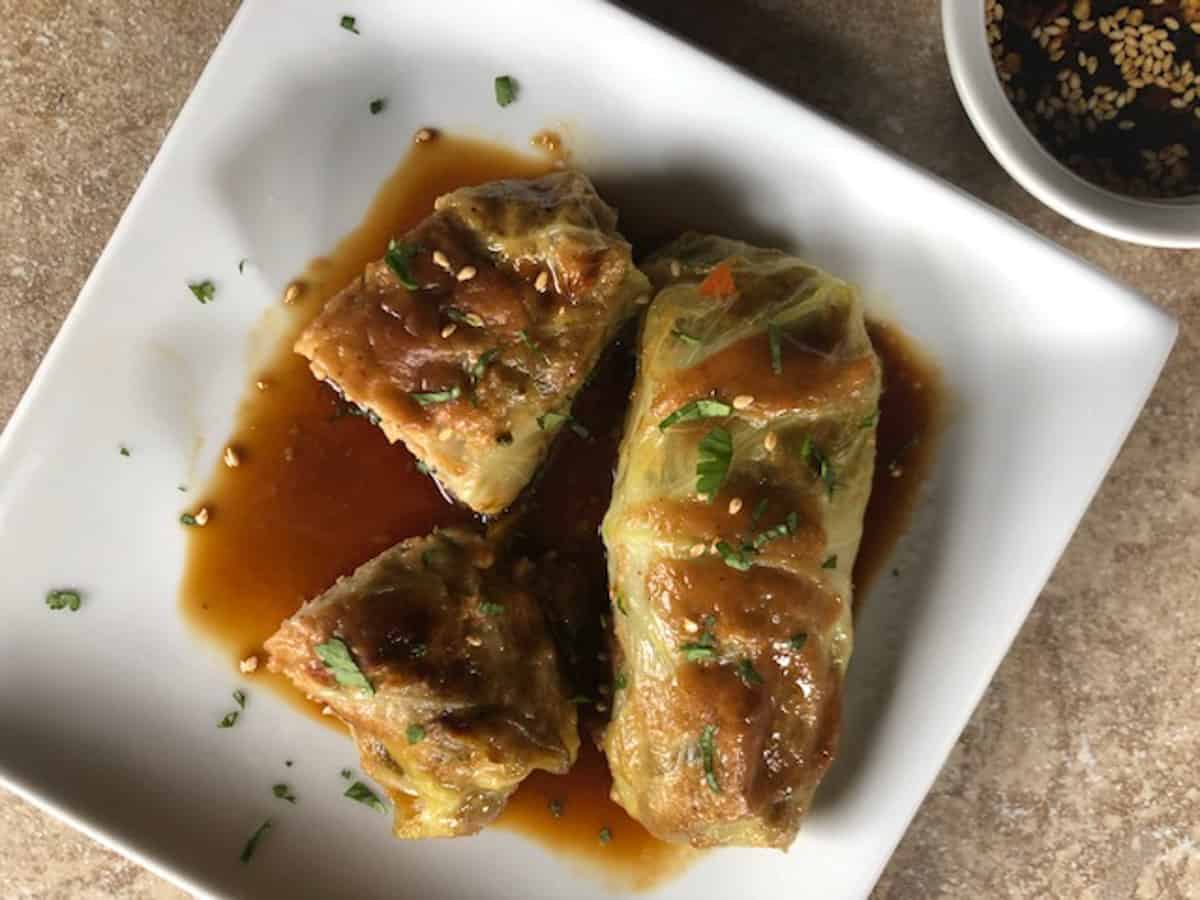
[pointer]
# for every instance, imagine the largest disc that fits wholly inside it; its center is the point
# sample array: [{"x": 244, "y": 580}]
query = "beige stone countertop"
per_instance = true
[{"x": 1079, "y": 774}]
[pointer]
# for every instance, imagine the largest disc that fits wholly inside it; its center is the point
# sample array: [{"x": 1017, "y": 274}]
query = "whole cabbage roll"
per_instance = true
[
  {"x": 437, "y": 656},
  {"x": 735, "y": 519},
  {"x": 469, "y": 340}
]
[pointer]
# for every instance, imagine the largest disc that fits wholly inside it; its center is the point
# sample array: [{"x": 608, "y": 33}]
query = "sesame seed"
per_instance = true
[
  {"x": 690, "y": 627},
  {"x": 249, "y": 664},
  {"x": 474, "y": 641},
  {"x": 466, "y": 273},
  {"x": 424, "y": 135},
  {"x": 202, "y": 516},
  {"x": 292, "y": 294},
  {"x": 697, "y": 550},
  {"x": 676, "y": 268},
  {"x": 742, "y": 401},
  {"x": 261, "y": 385},
  {"x": 448, "y": 330},
  {"x": 473, "y": 319},
  {"x": 440, "y": 260},
  {"x": 542, "y": 282},
  {"x": 445, "y": 434},
  {"x": 771, "y": 441},
  {"x": 327, "y": 710},
  {"x": 231, "y": 457},
  {"x": 735, "y": 506}
]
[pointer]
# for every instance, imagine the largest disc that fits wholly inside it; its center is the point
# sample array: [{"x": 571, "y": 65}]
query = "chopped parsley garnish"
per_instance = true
[
  {"x": 552, "y": 420},
  {"x": 188, "y": 519},
  {"x": 124, "y": 451},
  {"x": 620, "y": 601},
  {"x": 283, "y": 793},
  {"x": 506, "y": 90},
  {"x": 377, "y": 105},
  {"x": 346, "y": 773},
  {"x": 783, "y": 529},
  {"x": 63, "y": 600},
  {"x": 204, "y": 291},
  {"x": 242, "y": 265},
  {"x": 830, "y": 563},
  {"x": 532, "y": 345},
  {"x": 819, "y": 463},
  {"x": 619, "y": 682},
  {"x": 716, "y": 454},
  {"x": 605, "y": 835},
  {"x": 690, "y": 339},
  {"x": 350, "y": 24},
  {"x": 488, "y": 608},
  {"x": 483, "y": 362},
  {"x": 252, "y": 844},
  {"x": 736, "y": 559},
  {"x": 463, "y": 318},
  {"x": 747, "y": 672},
  {"x": 239, "y": 697},
  {"x": 798, "y": 640},
  {"x": 415, "y": 734},
  {"x": 229, "y": 721},
  {"x": 556, "y": 808},
  {"x": 870, "y": 420},
  {"x": 704, "y": 648},
  {"x": 336, "y": 656},
  {"x": 759, "y": 509},
  {"x": 429, "y": 398},
  {"x": 773, "y": 338},
  {"x": 697, "y": 409},
  {"x": 364, "y": 795},
  {"x": 398, "y": 256},
  {"x": 707, "y": 754}
]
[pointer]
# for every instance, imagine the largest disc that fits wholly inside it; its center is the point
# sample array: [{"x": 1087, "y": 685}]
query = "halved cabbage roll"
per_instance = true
[
  {"x": 469, "y": 340},
  {"x": 735, "y": 519},
  {"x": 437, "y": 656}
]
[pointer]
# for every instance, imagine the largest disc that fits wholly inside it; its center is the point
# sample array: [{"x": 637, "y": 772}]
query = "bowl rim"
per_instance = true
[{"x": 1160, "y": 223}]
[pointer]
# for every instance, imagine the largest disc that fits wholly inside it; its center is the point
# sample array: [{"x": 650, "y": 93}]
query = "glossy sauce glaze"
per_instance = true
[{"x": 318, "y": 490}]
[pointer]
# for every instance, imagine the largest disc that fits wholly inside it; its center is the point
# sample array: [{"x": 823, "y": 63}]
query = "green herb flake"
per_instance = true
[
  {"x": 870, "y": 420},
  {"x": 735, "y": 559},
  {"x": 423, "y": 467},
  {"x": 532, "y": 345},
  {"x": 690, "y": 339},
  {"x": 124, "y": 451},
  {"x": 229, "y": 721},
  {"x": 775, "y": 341},
  {"x": 242, "y": 265},
  {"x": 239, "y": 697},
  {"x": 203, "y": 291},
  {"x": 377, "y": 105},
  {"x": 695, "y": 410},
  {"x": 783, "y": 529},
  {"x": 708, "y": 754},
  {"x": 798, "y": 640},
  {"x": 62, "y": 599},
  {"x": 252, "y": 843},
  {"x": 556, "y": 808},
  {"x": 506, "y": 89},
  {"x": 620, "y": 601},
  {"x": 759, "y": 510},
  {"x": 360, "y": 793},
  {"x": 712, "y": 465},
  {"x": 830, "y": 563},
  {"x": 551, "y": 420},
  {"x": 580, "y": 700},
  {"x": 347, "y": 774},
  {"x": 819, "y": 463},
  {"x": 336, "y": 656},
  {"x": 350, "y": 23},
  {"x": 188, "y": 519},
  {"x": 398, "y": 257},
  {"x": 698, "y": 652},
  {"x": 481, "y": 364},
  {"x": 620, "y": 681},
  {"x": 415, "y": 734},
  {"x": 488, "y": 608},
  {"x": 606, "y": 835},
  {"x": 463, "y": 318},
  {"x": 283, "y": 793},
  {"x": 431, "y": 398},
  {"x": 747, "y": 672}
]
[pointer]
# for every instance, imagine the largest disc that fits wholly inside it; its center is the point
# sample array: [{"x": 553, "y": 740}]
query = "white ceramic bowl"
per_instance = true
[{"x": 1160, "y": 223}]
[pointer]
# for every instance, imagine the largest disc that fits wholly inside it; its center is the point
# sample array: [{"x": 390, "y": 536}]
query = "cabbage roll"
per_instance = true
[
  {"x": 469, "y": 340},
  {"x": 438, "y": 658},
  {"x": 736, "y": 515}
]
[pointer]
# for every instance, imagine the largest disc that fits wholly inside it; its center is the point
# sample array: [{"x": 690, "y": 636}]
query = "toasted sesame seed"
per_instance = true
[
  {"x": 327, "y": 710},
  {"x": 735, "y": 506},
  {"x": 642, "y": 300},
  {"x": 231, "y": 457},
  {"x": 201, "y": 517},
  {"x": 249, "y": 664},
  {"x": 445, "y": 434},
  {"x": 697, "y": 550},
  {"x": 292, "y": 294},
  {"x": 424, "y": 134},
  {"x": 742, "y": 401},
  {"x": 466, "y": 273},
  {"x": 448, "y": 329},
  {"x": 771, "y": 441},
  {"x": 542, "y": 282},
  {"x": 474, "y": 641},
  {"x": 676, "y": 268},
  {"x": 441, "y": 261},
  {"x": 473, "y": 319},
  {"x": 261, "y": 385},
  {"x": 690, "y": 627}
]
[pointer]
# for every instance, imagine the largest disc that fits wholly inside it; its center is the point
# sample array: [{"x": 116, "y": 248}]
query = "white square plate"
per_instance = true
[{"x": 108, "y": 713}]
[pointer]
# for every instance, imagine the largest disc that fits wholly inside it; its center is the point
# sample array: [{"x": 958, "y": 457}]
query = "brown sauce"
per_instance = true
[{"x": 318, "y": 491}]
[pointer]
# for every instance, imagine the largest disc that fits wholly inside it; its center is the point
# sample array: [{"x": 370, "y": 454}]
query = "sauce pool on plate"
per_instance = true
[{"x": 316, "y": 490}]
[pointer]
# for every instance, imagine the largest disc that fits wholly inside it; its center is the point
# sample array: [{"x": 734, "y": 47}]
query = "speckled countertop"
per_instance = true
[{"x": 1077, "y": 776}]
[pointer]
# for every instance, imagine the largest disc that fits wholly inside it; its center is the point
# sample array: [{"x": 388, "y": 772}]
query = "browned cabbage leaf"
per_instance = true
[
  {"x": 514, "y": 290},
  {"x": 465, "y": 695},
  {"x": 731, "y": 537}
]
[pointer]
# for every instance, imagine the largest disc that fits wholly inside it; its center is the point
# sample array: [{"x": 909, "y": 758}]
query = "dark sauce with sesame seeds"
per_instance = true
[
  {"x": 1112, "y": 89},
  {"x": 318, "y": 490}
]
